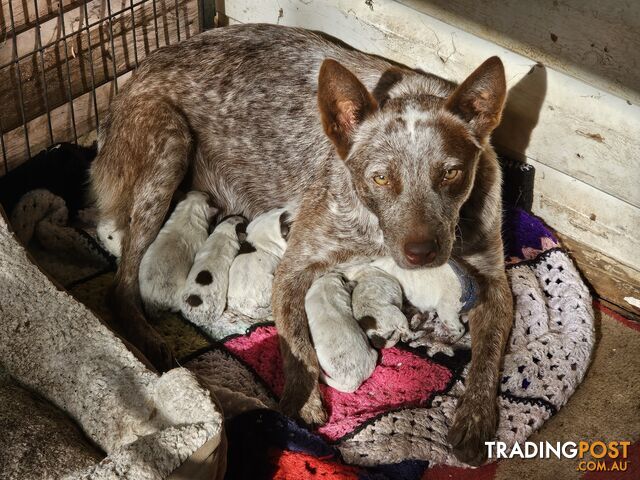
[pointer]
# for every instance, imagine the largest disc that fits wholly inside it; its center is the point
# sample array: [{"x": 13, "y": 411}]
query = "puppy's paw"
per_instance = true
[
  {"x": 309, "y": 411},
  {"x": 474, "y": 424}
]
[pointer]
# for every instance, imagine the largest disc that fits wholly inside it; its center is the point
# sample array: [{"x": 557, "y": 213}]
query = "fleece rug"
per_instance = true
[{"x": 395, "y": 424}]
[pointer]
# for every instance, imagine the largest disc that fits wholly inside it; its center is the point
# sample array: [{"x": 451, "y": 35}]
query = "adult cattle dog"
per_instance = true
[{"x": 372, "y": 159}]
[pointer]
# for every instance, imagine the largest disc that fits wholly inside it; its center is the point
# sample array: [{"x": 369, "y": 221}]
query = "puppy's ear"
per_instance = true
[
  {"x": 241, "y": 230},
  {"x": 479, "y": 100},
  {"x": 344, "y": 103},
  {"x": 285, "y": 225}
]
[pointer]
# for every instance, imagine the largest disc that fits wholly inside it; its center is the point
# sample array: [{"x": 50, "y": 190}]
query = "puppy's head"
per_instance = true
[
  {"x": 413, "y": 150},
  {"x": 269, "y": 231}
]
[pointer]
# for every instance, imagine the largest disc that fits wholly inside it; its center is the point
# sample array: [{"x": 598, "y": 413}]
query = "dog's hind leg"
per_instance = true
[{"x": 142, "y": 161}]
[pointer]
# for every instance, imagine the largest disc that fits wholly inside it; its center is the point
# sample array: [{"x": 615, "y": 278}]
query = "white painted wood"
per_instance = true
[
  {"x": 587, "y": 214},
  {"x": 592, "y": 40},
  {"x": 589, "y": 138}
]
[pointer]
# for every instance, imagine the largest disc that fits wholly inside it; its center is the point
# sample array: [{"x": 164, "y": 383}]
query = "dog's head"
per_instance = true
[{"x": 412, "y": 155}]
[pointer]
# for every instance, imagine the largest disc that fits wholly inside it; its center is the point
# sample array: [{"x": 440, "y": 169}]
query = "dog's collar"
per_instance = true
[{"x": 468, "y": 285}]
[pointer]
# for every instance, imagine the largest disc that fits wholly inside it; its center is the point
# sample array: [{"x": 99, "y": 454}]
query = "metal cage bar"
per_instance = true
[
  {"x": 66, "y": 64},
  {"x": 50, "y": 98},
  {"x": 133, "y": 33},
  {"x": 113, "y": 46},
  {"x": 42, "y": 72},
  {"x": 87, "y": 29},
  {"x": 19, "y": 79}
]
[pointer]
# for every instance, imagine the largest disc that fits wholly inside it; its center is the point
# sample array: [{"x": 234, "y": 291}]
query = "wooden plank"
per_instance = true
[
  {"x": 616, "y": 284},
  {"x": 584, "y": 213},
  {"x": 61, "y": 123},
  {"x": 75, "y": 21},
  {"x": 592, "y": 40},
  {"x": 50, "y": 27},
  {"x": 590, "y": 137},
  {"x": 24, "y": 14},
  {"x": 79, "y": 64}
]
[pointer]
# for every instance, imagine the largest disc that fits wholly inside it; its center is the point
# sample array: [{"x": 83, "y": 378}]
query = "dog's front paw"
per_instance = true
[
  {"x": 474, "y": 424},
  {"x": 309, "y": 410}
]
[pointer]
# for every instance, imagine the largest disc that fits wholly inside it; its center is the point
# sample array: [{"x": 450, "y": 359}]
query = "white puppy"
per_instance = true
[
  {"x": 377, "y": 305},
  {"x": 168, "y": 259},
  {"x": 110, "y": 237},
  {"x": 441, "y": 289},
  {"x": 251, "y": 274},
  {"x": 204, "y": 296},
  {"x": 343, "y": 349}
]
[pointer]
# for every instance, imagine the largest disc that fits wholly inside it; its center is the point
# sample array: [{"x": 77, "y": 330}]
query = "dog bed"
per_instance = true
[
  {"x": 395, "y": 424},
  {"x": 147, "y": 425}
]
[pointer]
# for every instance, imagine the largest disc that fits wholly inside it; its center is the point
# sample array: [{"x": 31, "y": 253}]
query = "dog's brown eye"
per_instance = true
[
  {"x": 451, "y": 174},
  {"x": 381, "y": 180}
]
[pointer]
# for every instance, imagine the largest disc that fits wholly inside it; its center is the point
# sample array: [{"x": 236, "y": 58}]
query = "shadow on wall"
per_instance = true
[
  {"x": 511, "y": 139},
  {"x": 521, "y": 114}
]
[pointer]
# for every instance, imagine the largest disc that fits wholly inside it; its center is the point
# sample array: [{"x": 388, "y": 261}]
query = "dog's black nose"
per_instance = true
[{"x": 421, "y": 252}]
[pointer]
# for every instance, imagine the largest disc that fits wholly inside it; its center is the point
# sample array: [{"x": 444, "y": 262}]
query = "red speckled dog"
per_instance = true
[{"x": 371, "y": 158}]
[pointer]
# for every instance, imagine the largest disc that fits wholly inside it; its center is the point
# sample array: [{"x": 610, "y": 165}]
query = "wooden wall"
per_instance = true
[
  {"x": 572, "y": 68},
  {"x": 89, "y": 58},
  {"x": 594, "y": 41},
  {"x": 581, "y": 133}
]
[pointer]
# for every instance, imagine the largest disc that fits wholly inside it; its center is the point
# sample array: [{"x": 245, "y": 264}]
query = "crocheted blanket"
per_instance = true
[{"x": 395, "y": 424}]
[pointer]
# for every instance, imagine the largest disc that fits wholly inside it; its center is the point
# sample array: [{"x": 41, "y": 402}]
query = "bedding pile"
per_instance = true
[
  {"x": 147, "y": 425},
  {"x": 393, "y": 426}
]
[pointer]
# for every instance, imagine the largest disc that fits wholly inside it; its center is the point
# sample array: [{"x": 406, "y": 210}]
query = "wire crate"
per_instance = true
[{"x": 62, "y": 62}]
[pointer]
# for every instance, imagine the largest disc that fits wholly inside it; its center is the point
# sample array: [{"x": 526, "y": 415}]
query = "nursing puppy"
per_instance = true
[
  {"x": 168, "y": 260},
  {"x": 251, "y": 274},
  {"x": 110, "y": 237},
  {"x": 204, "y": 296},
  {"x": 338, "y": 314},
  {"x": 377, "y": 305},
  {"x": 370, "y": 157}
]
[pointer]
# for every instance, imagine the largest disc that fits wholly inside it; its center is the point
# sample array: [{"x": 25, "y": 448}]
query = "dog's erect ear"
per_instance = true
[
  {"x": 344, "y": 103},
  {"x": 479, "y": 100}
]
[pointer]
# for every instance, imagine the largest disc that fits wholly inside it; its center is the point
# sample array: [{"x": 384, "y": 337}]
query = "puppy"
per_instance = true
[
  {"x": 110, "y": 237},
  {"x": 251, "y": 274},
  {"x": 447, "y": 290},
  {"x": 343, "y": 350},
  {"x": 204, "y": 296},
  {"x": 167, "y": 261},
  {"x": 377, "y": 305}
]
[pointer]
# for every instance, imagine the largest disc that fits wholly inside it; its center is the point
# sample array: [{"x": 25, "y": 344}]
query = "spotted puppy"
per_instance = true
[
  {"x": 204, "y": 296},
  {"x": 110, "y": 237},
  {"x": 167, "y": 261},
  {"x": 343, "y": 350},
  {"x": 339, "y": 318},
  {"x": 251, "y": 274}
]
